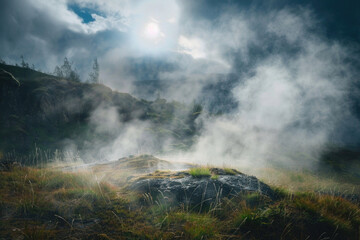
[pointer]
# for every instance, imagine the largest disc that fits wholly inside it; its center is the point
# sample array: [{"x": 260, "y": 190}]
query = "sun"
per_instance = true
[
  {"x": 152, "y": 31},
  {"x": 155, "y": 35}
]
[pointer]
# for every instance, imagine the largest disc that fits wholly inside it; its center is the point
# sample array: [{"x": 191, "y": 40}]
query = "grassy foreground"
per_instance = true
[{"x": 47, "y": 204}]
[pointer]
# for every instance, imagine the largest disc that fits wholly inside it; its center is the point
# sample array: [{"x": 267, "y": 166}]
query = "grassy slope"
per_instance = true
[
  {"x": 45, "y": 110},
  {"x": 47, "y": 204}
]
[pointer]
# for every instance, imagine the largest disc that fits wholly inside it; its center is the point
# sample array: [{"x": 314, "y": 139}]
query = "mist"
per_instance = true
[
  {"x": 179, "y": 119},
  {"x": 275, "y": 88},
  {"x": 291, "y": 97}
]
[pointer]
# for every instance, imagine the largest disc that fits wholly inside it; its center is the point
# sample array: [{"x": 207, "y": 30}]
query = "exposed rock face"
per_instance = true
[
  {"x": 174, "y": 186},
  {"x": 181, "y": 187}
]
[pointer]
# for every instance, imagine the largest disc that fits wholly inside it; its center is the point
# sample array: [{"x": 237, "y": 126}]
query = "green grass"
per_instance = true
[
  {"x": 215, "y": 177},
  {"x": 43, "y": 203},
  {"x": 193, "y": 226},
  {"x": 47, "y": 204},
  {"x": 301, "y": 180},
  {"x": 200, "y": 172},
  {"x": 305, "y": 215},
  {"x": 230, "y": 171}
]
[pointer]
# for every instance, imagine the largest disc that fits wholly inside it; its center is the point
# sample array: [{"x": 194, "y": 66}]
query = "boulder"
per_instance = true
[{"x": 183, "y": 188}]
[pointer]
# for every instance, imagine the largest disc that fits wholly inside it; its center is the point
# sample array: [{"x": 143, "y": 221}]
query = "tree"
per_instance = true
[
  {"x": 58, "y": 72},
  {"x": 23, "y": 63},
  {"x": 94, "y": 75},
  {"x": 66, "y": 71}
]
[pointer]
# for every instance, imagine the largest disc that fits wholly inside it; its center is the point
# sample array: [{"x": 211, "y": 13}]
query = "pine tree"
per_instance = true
[
  {"x": 66, "y": 71},
  {"x": 94, "y": 75},
  {"x": 23, "y": 63}
]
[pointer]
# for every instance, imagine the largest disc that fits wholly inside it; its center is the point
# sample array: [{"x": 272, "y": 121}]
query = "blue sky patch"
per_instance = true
[{"x": 84, "y": 13}]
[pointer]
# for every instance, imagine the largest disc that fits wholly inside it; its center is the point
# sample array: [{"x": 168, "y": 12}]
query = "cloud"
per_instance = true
[
  {"x": 48, "y": 31},
  {"x": 284, "y": 82},
  {"x": 291, "y": 98},
  {"x": 194, "y": 47},
  {"x": 101, "y": 23}
]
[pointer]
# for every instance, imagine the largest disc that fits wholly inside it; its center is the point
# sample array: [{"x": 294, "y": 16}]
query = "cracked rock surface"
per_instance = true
[{"x": 181, "y": 187}]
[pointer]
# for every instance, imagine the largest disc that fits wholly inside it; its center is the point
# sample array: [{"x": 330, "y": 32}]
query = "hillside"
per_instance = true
[
  {"x": 200, "y": 203},
  {"x": 142, "y": 196},
  {"x": 40, "y": 110}
]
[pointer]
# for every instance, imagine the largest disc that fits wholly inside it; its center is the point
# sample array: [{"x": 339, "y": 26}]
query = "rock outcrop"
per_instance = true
[{"x": 181, "y": 187}]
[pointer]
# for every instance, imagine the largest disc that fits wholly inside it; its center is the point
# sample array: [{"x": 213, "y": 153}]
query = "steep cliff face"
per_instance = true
[{"x": 42, "y": 110}]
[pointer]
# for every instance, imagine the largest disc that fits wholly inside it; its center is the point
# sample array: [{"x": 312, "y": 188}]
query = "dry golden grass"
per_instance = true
[
  {"x": 51, "y": 204},
  {"x": 301, "y": 180}
]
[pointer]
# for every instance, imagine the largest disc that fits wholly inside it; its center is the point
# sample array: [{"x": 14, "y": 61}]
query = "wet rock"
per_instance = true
[{"x": 200, "y": 192}]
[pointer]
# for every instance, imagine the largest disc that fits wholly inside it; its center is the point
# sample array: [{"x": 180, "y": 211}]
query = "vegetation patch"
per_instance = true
[
  {"x": 200, "y": 172},
  {"x": 47, "y": 204},
  {"x": 215, "y": 177},
  {"x": 230, "y": 171},
  {"x": 195, "y": 226}
]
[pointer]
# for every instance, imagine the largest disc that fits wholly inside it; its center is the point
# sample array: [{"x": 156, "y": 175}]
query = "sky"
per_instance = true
[
  {"x": 285, "y": 72},
  {"x": 165, "y": 36}
]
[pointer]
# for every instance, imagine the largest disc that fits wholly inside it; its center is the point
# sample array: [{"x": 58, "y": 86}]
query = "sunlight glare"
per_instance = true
[
  {"x": 152, "y": 30},
  {"x": 155, "y": 31}
]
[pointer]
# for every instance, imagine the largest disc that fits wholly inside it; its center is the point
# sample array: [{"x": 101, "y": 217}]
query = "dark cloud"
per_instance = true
[
  {"x": 339, "y": 18},
  {"x": 45, "y": 35},
  {"x": 27, "y": 30}
]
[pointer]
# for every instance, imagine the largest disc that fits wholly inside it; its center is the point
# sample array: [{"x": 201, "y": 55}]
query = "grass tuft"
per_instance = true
[
  {"x": 200, "y": 172},
  {"x": 215, "y": 177},
  {"x": 230, "y": 171},
  {"x": 195, "y": 226}
]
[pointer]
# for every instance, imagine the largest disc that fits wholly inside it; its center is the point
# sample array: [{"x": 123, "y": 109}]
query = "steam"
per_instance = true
[
  {"x": 291, "y": 106},
  {"x": 290, "y": 83},
  {"x": 287, "y": 110},
  {"x": 291, "y": 96}
]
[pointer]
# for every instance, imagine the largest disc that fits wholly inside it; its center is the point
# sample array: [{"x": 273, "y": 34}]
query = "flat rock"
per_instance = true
[{"x": 194, "y": 191}]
